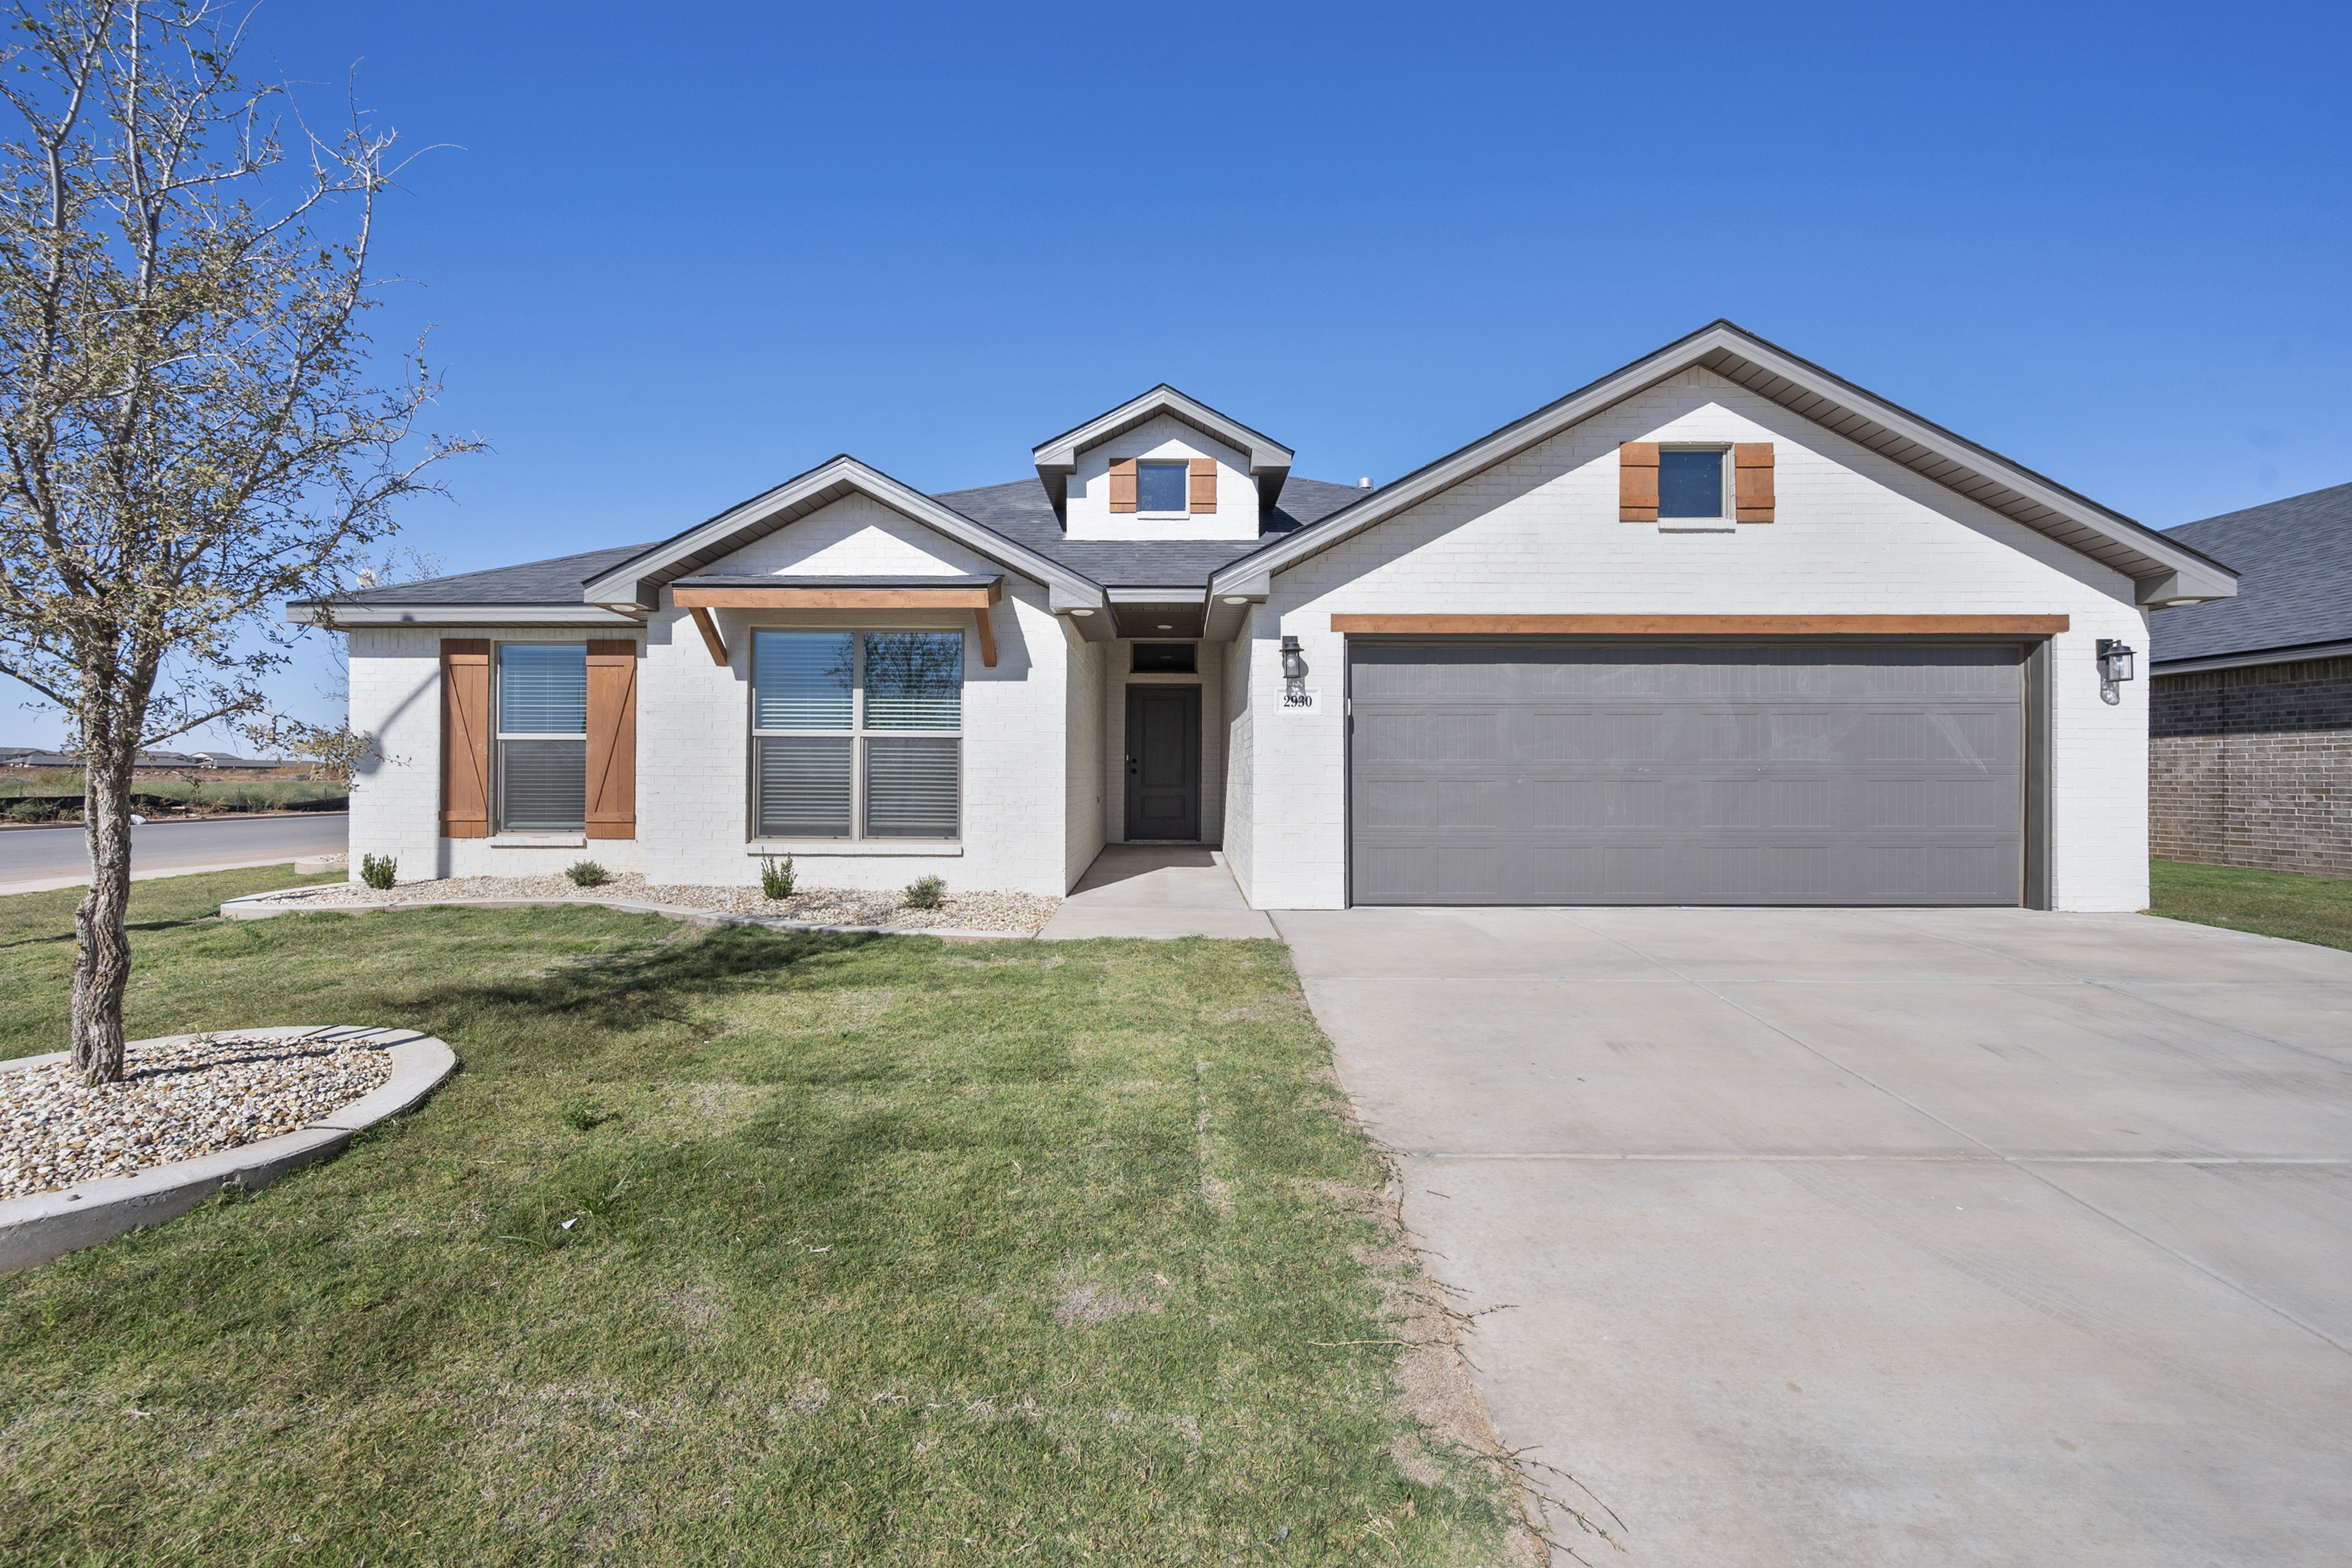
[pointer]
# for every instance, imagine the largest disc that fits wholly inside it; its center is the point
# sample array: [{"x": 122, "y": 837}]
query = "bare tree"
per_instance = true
[{"x": 188, "y": 431}]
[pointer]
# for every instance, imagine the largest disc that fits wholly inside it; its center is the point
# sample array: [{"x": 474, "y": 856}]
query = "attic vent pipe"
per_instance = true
[{"x": 1364, "y": 484}]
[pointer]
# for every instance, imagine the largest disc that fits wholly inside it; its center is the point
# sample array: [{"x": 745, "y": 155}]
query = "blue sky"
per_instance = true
[{"x": 666, "y": 266}]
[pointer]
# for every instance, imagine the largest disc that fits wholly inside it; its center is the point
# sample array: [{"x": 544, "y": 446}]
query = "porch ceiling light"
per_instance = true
[
  {"x": 1293, "y": 674},
  {"x": 2114, "y": 669}
]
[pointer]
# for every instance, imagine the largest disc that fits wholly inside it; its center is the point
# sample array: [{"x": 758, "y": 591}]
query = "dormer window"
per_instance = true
[{"x": 1160, "y": 486}]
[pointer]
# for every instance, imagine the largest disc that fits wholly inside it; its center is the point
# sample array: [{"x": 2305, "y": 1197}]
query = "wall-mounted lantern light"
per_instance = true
[
  {"x": 1293, "y": 674},
  {"x": 2114, "y": 669}
]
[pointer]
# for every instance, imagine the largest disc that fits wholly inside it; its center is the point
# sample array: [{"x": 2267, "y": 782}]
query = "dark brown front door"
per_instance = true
[{"x": 1163, "y": 761}]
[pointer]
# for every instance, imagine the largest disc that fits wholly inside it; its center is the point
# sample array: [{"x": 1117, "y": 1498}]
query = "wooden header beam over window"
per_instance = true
[
  {"x": 1700, "y": 626},
  {"x": 977, "y": 598}
]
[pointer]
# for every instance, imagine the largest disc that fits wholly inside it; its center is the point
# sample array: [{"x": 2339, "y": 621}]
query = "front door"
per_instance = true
[{"x": 1163, "y": 761}]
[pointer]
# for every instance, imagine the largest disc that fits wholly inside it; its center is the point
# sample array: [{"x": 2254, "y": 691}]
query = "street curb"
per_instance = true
[
  {"x": 251, "y": 908},
  {"x": 47, "y": 1226}
]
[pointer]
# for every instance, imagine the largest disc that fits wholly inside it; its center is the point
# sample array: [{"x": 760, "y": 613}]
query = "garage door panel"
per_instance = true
[{"x": 1881, "y": 774}]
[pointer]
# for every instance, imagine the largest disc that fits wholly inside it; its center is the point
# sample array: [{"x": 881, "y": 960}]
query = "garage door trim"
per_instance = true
[{"x": 2035, "y": 669}]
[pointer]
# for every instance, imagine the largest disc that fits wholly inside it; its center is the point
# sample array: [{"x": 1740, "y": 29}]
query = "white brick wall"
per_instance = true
[
  {"x": 1119, "y": 659},
  {"x": 1855, "y": 534},
  {"x": 1082, "y": 752},
  {"x": 1240, "y": 757},
  {"x": 396, "y": 796},
  {"x": 693, "y": 731}
]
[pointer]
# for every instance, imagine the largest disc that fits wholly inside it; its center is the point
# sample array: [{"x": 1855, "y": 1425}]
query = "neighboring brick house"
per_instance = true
[
  {"x": 2250, "y": 727},
  {"x": 1717, "y": 628}
]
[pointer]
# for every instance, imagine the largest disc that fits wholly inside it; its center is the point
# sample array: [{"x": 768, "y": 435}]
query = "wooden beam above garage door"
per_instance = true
[{"x": 1699, "y": 625}]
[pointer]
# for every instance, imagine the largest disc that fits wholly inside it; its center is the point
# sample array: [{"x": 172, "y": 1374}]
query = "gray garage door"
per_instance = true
[{"x": 1551, "y": 773}]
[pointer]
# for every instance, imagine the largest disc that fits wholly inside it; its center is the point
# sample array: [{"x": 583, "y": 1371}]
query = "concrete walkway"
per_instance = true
[
  {"x": 1835, "y": 1237},
  {"x": 1156, "y": 890}
]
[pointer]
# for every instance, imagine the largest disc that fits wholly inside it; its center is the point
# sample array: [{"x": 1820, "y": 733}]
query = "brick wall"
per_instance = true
[
  {"x": 2254, "y": 767},
  {"x": 1539, "y": 534},
  {"x": 693, "y": 733}
]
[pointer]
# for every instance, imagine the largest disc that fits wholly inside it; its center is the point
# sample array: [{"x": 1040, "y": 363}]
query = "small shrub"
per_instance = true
[
  {"x": 582, "y": 1112},
  {"x": 376, "y": 871},
  {"x": 926, "y": 893},
  {"x": 585, "y": 873},
  {"x": 776, "y": 881},
  {"x": 33, "y": 811}
]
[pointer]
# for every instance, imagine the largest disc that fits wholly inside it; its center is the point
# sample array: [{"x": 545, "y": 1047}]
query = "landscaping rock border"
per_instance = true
[
  {"x": 47, "y": 1226},
  {"x": 255, "y": 907}
]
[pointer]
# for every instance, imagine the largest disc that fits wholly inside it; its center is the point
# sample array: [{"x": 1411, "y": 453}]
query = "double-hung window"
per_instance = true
[
  {"x": 543, "y": 737},
  {"x": 856, "y": 734}
]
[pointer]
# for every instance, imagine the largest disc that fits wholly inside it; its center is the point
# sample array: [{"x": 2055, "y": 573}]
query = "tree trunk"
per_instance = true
[{"x": 102, "y": 951}]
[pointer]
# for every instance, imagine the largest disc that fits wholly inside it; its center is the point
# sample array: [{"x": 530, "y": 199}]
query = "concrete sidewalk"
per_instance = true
[{"x": 1156, "y": 890}]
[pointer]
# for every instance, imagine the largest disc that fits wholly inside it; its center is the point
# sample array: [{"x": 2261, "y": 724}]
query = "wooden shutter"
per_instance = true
[
  {"x": 1202, "y": 483},
  {"x": 1122, "y": 485},
  {"x": 612, "y": 740},
  {"x": 465, "y": 738},
  {"x": 1751, "y": 468},
  {"x": 1637, "y": 481}
]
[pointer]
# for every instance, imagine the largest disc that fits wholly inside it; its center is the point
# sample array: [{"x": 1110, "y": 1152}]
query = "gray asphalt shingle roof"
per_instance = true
[
  {"x": 2295, "y": 588},
  {"x": 1022, "y": 513},
  {"x": 551, "y": 582},
  {"x": 1019, "y": 510}
]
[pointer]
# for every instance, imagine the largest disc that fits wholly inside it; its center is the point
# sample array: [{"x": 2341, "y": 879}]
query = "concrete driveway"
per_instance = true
[{"x": 1882, "y": 1237}]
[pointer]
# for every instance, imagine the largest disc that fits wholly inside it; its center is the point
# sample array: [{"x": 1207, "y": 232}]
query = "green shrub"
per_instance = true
[
  {"x": 585, "y": 873},
  {"x": 926, "y": 893},
  {"x": 376, "y": 871},
  {"x": 33, "y": 811},
  {"x": 775, "y": 881}
]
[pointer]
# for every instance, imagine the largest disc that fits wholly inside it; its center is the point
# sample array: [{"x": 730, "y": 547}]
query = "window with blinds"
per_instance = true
[
  {"x": 543, "y": 734},
  {"x": 856, "y": 734}
]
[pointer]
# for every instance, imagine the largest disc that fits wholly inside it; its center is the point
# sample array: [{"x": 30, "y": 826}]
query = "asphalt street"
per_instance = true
[{"x": 51, "y": 857}]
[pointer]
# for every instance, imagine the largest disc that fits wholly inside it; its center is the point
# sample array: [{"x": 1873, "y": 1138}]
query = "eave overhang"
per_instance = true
[
  {"x": 2299, "y": 654},
  {"x": 2162, "y": 571},
  {"x": 1175, "y": 610},
  {"x": 341, "y": 615},
  {"x": 1269, "y": 461}
]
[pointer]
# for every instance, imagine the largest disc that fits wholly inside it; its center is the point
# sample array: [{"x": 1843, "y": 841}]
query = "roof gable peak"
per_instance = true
[
  {"x": 2164, "y": 570},
  {"x": 1269, "y": 459}
]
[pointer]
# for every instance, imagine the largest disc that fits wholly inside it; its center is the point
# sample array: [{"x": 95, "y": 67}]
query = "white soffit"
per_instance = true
[{"x": 2163, "y": 569}]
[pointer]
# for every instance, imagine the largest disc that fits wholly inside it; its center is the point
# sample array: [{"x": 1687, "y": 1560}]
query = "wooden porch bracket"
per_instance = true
[
  {"x": 986, "y": 628},
  {"x": 711, "y": 637}
]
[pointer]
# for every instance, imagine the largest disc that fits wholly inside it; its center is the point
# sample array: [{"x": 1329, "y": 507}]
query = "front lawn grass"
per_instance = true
[
  {"x": 733, "y": 1246},
  {"x": 2269, "y": 903}
]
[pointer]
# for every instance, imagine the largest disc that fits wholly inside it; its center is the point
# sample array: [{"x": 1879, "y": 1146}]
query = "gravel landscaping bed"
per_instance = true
[
  {"x": 180, "y": 1099},
  {"x": 1014, "y": 913}
]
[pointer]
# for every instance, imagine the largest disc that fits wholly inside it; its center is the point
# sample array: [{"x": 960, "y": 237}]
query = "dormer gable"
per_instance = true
[{"x": 1162, "y": 465}]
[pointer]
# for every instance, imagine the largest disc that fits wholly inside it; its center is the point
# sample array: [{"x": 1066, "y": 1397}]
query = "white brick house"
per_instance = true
[{"x": 1717, "y": 628}]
